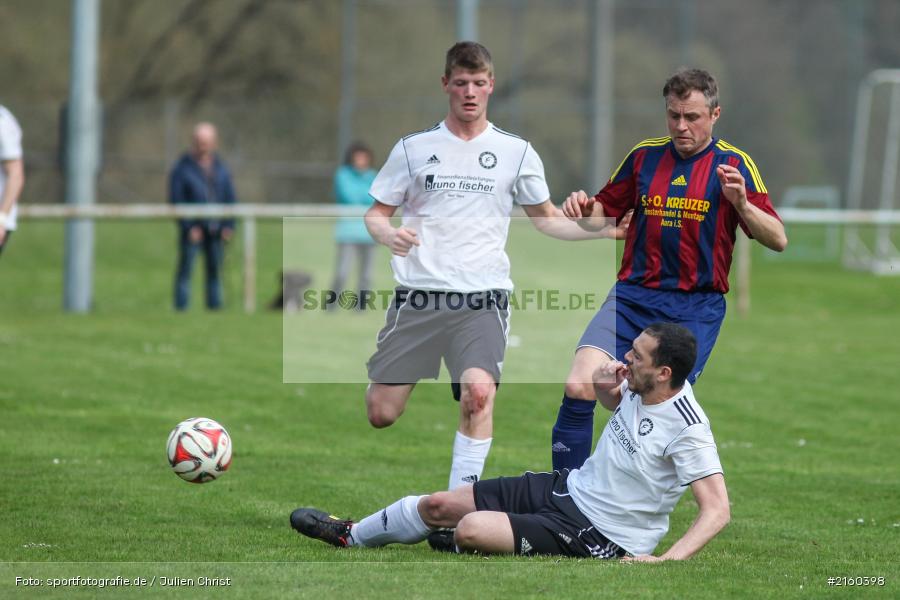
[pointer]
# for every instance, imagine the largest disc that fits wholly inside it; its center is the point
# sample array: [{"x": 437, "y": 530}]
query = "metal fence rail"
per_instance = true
[{"x": 249, "y": 213}]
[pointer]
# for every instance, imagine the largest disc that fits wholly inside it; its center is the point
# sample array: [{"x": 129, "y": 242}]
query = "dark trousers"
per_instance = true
[
  {"x": 364, "y": 253},
  {"x": 211, "y": 244},
  {"x": 6, "y": 239}
]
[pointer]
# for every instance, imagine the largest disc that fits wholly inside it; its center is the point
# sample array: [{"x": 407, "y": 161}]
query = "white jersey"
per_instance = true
[
  {"x": 457, "y": 196},
  {"x": 643, "y": 463},
  {"x": 10, "y": 149}
]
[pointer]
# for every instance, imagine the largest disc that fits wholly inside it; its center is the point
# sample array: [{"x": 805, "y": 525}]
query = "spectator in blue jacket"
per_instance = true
[
  {"x": 351, "y": 188},
  {"x": 201, "y": 177}
]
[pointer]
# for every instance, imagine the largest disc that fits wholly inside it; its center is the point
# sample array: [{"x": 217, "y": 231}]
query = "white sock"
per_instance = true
[
  {"x": 399, "y": 523},
  {"x": 468, "y": 460}
]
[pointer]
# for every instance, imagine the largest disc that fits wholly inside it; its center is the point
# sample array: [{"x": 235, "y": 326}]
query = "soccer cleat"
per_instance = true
[
  {"x": 441, "y": 540},
  {"x": 322, "y": 526}
]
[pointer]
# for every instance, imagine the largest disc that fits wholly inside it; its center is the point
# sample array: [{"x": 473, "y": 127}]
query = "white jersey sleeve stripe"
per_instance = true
[
  {"x": 687, "y": 418},
  {"x": 687, "y": 404}
]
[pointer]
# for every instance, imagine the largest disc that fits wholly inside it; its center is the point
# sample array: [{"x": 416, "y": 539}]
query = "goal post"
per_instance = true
[{"x": 877, "y": 253}]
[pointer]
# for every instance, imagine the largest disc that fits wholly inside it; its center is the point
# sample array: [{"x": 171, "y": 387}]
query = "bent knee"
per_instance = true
[
  {"x": 434, "y": 508},
  {"x": 380, "y": 420},
  {"x": 468, "y": 532},
  {"x": 381, "y": 414},
  {"x": 477, "y": 397}
]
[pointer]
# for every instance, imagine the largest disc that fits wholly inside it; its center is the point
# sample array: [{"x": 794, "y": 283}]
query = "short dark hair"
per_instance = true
[
  {"x": 353, "y": 149},
  {"x": 470, "y": 56},
  {"x": 684, "y": 81},
  {"x": 676, "y": 348}
]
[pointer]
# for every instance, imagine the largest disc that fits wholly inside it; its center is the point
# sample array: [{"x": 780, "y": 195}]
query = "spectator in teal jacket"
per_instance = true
[{"x": 351, "y": 188}]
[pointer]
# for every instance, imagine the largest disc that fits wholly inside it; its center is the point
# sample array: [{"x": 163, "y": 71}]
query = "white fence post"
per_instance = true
[{"x": 249, "y": 228}]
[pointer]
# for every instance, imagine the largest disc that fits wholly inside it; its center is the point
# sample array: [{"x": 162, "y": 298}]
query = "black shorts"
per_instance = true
[
  {"x": 543, "y": 516},
  {"x": 467, "y": 330}
]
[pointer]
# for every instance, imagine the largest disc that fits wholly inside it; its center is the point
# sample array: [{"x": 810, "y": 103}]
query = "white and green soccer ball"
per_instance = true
[{"x": 199, "y": 450}]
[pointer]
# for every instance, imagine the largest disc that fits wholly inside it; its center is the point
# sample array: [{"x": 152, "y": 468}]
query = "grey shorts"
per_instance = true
[{"x": 466, "y": 330}]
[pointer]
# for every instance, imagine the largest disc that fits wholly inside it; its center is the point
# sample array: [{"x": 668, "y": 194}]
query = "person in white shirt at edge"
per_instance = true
[
  {"x": 656, "y": 444},
  {"x": 12, "y": 173},
  {"x": 456, "y": 182}
]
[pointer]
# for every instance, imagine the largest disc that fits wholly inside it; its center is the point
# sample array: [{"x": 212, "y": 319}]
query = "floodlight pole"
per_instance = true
[
  {"x": 348, "y": 77},
  {"x": 81, "y": 157},
  {"x": 467, "y": 20},
  {"x": 600, "y": 103}
]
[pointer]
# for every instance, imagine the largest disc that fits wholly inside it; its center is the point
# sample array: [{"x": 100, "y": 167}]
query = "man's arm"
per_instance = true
[
  {"x": 15, "y": 181},
  {"x": 714, "y": 515},
  {"x": 550, "y": 220},
  {"x": 765, "y": 228},
  {"x": 378, "y": 221}
]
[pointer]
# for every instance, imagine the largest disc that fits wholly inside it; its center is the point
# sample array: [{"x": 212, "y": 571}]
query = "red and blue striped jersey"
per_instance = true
[{"x": 683, "y": 229}]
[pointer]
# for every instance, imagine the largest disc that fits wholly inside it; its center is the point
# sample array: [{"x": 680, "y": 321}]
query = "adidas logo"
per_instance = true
[
  {"x": 560, "y": 447},
  {"x": 565, "y": 538},
  {"x": 680, "y": 180},
  {"x": 434, "y": 160},
  {"x": 470, "y": 478},
  {"x": 526, "y": 546}
]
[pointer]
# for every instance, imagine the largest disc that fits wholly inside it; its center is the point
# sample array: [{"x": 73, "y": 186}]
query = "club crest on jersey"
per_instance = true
[
  {"x": 645, "y": 427},
  {"x": 487, "y": 159}
]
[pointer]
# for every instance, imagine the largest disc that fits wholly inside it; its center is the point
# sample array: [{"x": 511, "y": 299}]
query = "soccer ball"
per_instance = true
[{"x": 199, "y": 450}]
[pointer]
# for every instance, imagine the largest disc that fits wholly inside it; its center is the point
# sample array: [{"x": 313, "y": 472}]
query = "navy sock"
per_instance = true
[{"x": 573, "y": 433}]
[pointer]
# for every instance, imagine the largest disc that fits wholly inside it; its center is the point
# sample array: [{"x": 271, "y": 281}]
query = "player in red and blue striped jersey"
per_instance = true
[{"x": 689, "y": 192}]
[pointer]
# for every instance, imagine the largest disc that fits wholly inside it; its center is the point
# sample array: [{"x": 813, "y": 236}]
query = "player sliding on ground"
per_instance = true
[
  {"x": 656, "y": 443},
  {"x": 456, "y": 183}
]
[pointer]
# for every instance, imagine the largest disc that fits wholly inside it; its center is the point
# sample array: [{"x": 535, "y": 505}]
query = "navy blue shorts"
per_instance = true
[{"x": 629, "y": 309}]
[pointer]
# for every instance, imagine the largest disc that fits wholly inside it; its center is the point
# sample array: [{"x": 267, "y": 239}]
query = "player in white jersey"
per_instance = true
[
  {"x": 12, "y": 173},
  {"x": 656, "y": 444},
  {"x": 457, "y": 183}
]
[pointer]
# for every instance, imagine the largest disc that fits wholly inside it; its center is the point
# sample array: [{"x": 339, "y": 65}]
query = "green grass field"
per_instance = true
[{"x": 802, "y": 395}]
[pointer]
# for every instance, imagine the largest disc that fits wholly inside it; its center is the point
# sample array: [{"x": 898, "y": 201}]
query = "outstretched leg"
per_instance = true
[{"x": 406, "y": 521}]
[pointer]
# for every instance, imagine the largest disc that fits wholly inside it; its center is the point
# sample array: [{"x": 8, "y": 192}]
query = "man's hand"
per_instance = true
[
  {"x": 643, "y": 558},
  {"x": 2, "y": 233},
  {"x": 195, "y": 234},
  {"x": 227, "y": 234},
  {"x": 401, "y": 240},
  {"x": 733, "y": 186},
  {"x": 609, "y": 376},
  {"x": 621, "y": 230},
  {"x": 578, "y": 205}
]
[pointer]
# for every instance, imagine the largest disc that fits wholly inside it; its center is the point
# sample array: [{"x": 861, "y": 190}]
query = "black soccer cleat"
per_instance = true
[
  {"x": 441, "y": 540},
  {"x": 322, "y": 526}
]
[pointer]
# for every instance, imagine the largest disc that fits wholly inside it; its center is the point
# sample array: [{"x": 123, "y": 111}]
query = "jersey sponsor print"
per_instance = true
[{"x": 683, "y": 230}]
